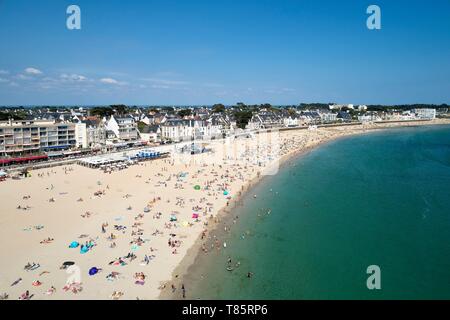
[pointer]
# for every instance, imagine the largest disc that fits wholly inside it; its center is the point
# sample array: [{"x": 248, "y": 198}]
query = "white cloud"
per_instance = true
[
  {"x": 4, "y": 72},
  {"x": 23, "y": 77},
  {"x": 165, "y": 82},
  {"x": 113, "y": 81},
  {"x": 72, "y": 77},
  {"x": 109, "y": 81},
  {"x": 2, "y": 80},
  {"x": 33, "y": 71},
  {"x": 159, "y": 86}
]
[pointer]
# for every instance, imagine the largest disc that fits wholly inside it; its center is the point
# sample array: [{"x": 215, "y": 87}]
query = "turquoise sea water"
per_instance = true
[{"x": 376, "y": 199}]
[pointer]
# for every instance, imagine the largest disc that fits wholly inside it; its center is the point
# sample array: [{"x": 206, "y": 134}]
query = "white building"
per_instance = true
[
  {"x": 265, "y": 120},
  {"x": 125, "y": 128},
  {"x": 365, "y": 118},
  {"x": 81, "y": 135},
  {"x": 150, "y": 134},
  {"x": 425, "y": 113},
  {"x": 21, "y": 137},
  {"x": 362, "y": 107},
  {"x": 179, "y": 130},
  {"x": 328, "y": 116},
  {"x": 291, "y": 121}
]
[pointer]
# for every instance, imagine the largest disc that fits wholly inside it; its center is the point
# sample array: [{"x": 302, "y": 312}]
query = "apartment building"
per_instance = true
[{"x": 18, "y": 137}]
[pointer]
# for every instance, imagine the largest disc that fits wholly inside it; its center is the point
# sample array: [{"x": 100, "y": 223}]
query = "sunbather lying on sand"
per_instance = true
[
  {"x": 26, "y": 296},
  {"x": 116, "y": 295},
  {"x": 47, "y": 241}
]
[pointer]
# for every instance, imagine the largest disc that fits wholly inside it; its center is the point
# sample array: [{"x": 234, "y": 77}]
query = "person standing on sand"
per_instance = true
[{"x": 183, "y": 290}]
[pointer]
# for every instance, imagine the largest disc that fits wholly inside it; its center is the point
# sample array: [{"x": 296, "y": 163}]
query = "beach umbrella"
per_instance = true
[
  {"x": 197, "y": 187},
  {"x": 74, "y": 244},
  {"x": 195, "y": 215},
  {"x": 68, "y": 263},
  {"x": 93, "y": 271},
  {"x": 225, "y": 193}
]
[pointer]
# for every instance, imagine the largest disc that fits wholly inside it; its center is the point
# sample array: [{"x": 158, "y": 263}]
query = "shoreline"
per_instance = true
[
  {"x": 52, "y": 208},
  {"x": 191, "y": 259}
]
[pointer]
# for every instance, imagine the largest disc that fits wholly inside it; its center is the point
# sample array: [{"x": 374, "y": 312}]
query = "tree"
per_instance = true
[
  {"x": 291, "y": 111},
  {"x": 184, "y": 112},
  {"x": 168, "y": 109},
  {"x": 120, "y": 109},
  {"x": 102, "y": 111},
  {"x": 242, "y": 118},
  {"x": 141, "y": 125},
  {"x": 17, "y": 114},
  {"x": 218, "y": 108}
]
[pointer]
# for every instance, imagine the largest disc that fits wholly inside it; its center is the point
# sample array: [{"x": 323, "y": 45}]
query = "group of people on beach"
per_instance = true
[{"x": 212, "y": 186}]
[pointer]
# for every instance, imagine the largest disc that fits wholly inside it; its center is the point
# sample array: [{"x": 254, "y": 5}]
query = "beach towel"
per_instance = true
[
  {"x": 93, "y": 271},
  {"x": 84, "y": 249}
]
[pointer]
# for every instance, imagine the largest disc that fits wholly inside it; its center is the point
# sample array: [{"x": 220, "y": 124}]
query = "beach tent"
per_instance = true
[
  {"x": 173, "y": 218},
  {"x": 84, "y": 249}
]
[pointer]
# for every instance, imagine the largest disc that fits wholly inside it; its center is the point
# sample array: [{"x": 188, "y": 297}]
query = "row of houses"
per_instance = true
[{"x": 48, "y": 132}]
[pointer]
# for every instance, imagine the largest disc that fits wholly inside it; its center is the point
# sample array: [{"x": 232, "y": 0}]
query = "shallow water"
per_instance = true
[{"x": 377, "y": 199}]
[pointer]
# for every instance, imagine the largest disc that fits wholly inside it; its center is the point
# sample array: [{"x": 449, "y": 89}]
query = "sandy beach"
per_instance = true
[{"x": 130, "y": 231}]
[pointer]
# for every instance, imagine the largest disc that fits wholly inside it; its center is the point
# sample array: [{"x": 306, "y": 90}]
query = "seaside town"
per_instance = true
[
  {"x": 115, "y": 202},
  {"x": 37, "y": 134}
]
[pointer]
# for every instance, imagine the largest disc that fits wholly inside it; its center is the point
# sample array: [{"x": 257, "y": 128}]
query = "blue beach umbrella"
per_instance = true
[{"x": 74, "y": 244}]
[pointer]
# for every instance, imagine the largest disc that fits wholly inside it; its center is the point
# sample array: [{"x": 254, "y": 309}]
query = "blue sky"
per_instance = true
[{"x": 204, "y": 52}]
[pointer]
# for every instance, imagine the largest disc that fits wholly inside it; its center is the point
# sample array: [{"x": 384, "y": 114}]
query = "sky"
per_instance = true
[{"x": 201, "y": 52}]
